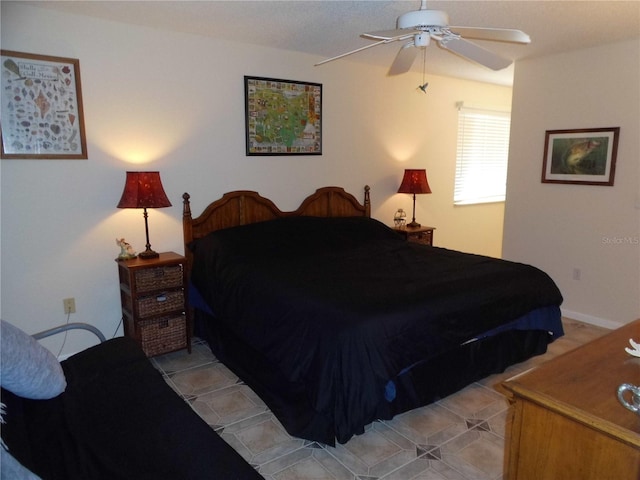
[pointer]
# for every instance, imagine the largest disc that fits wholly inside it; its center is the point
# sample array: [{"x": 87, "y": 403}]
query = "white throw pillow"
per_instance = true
[{"x": 27, "y": 368}]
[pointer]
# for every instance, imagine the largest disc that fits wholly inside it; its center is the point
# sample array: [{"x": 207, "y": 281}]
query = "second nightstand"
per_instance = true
[
  {"x": 154, "y": 310},
  {"x": 422, "y": 234}
]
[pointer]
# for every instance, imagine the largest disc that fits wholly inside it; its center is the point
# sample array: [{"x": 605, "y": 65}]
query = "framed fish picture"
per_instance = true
[
  {"x": 584, "y": 156},
  {"x": 42, "y": 115}
]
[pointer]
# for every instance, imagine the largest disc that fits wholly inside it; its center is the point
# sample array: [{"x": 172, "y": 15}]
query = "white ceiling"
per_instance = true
[{"x": 329, "y": 27}]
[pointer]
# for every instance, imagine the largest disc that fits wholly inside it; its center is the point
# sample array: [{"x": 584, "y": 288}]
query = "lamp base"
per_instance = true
[
  {"x": 148, "y": 255},
  {"x": 413, "y": 224}
]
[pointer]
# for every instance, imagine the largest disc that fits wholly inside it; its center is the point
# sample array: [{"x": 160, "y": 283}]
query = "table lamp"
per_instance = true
[
  {"x": 144, "y": 190},
  {"x": 414, "y": 182}
]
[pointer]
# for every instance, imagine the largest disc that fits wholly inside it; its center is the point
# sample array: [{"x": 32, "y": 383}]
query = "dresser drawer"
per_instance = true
[
  {"x": 163, "y": 334},
  {"x": 424, "y": 238},
  {"x": 150, "y": 305},
  {"x": 420, "y": 234},
  {"x": 158, "y": 278}
]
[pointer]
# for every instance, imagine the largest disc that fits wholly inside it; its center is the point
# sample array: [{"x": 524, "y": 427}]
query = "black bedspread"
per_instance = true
[
  {"x": 345, "y": 304},
  {"x": 117, "y": 420}
]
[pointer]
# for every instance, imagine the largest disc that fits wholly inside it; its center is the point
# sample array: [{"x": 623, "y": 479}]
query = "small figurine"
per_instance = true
[
  {"x": 126, "y": 250},
  {"x": 399, "y": 218}
]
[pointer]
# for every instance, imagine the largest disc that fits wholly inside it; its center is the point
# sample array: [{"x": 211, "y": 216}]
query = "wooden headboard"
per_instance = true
[{"x": 242, "y": 207}]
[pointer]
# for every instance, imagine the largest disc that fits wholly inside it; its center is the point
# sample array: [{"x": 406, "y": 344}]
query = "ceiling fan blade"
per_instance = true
[
  {"x": 493, "y": 34},
  {"x": 352, "y": 52},
  {"x": 475, "y": 53},
  {"x": 404, "y": 59},
  {"x": 398, "y": 34}
]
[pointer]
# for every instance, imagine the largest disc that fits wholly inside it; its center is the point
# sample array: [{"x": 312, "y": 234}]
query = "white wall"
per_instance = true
[
  {"x": 595, "y": 229},
  {"x": 175, "y": 103}
]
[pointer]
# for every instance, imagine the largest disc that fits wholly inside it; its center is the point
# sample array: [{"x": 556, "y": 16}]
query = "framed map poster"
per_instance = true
[
  {"x": 283, "y": 117},
  {"x": 42, "y": 115}
]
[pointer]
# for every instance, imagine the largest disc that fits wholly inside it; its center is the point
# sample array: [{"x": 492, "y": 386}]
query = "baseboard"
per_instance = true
[{"x": 581, "y": 317}]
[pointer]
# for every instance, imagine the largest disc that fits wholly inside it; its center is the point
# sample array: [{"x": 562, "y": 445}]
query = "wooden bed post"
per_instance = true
[
  {"x": 187, "y": 232},
  {"x": 367, "y": 201},
  {"x": 186, "y": 218}
]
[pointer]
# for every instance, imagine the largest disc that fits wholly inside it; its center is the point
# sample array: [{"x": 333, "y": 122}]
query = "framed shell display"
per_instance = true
[{"x": 42, "y": 115}]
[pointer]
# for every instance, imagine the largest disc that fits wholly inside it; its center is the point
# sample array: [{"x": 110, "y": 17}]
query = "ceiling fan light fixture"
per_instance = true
[
  {"x": 422, "y": 19},
  {"x": 422, "y": 39}
]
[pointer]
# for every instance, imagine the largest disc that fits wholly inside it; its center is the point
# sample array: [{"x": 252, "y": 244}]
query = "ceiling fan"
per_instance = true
[{"x": 420, "y": 26}]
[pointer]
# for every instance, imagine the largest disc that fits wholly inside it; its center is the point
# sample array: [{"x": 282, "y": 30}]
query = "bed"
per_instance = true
[
  {"x": 105, "y": 413},
  {"x": 336, "y": 321}
]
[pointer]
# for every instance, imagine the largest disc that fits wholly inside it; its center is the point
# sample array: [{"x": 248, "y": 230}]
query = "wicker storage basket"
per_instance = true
[
  {"x": 162, "y": 335},
  {"x": 158, "y": 304},
  {"x": 158, "y": 278}
]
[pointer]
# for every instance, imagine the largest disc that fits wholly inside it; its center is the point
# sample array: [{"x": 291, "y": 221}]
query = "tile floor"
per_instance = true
[{"x": 460, "y": 437}]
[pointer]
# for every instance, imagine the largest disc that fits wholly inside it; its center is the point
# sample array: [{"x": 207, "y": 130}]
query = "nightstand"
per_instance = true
[
  {"x": 422, "y": 234},
  {"x": 153, "y": 297}
]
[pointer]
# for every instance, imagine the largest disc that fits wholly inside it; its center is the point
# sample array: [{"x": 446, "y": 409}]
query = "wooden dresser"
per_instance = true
[{"x": 566, "y": 421}]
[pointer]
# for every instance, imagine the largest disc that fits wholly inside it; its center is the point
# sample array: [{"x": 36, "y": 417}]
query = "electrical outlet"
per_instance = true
[
  {"x": 69, "y": 305},
  {"x": 576, "y": 274}
]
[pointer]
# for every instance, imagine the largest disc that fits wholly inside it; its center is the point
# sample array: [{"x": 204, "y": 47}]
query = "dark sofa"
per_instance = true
[{"x": 116, "y": 419}]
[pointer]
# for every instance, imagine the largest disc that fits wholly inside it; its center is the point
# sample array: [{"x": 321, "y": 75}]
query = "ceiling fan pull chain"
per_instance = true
[{"x": 424, "y": 85}]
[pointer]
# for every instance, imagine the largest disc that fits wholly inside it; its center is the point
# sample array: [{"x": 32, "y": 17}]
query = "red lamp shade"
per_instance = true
[
  {"x": 144, "y": 190},
  {"x": 414, "y": 181}
]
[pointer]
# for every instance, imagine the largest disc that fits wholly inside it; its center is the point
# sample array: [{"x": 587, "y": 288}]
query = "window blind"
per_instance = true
[{"x": 482, "y": 154}]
